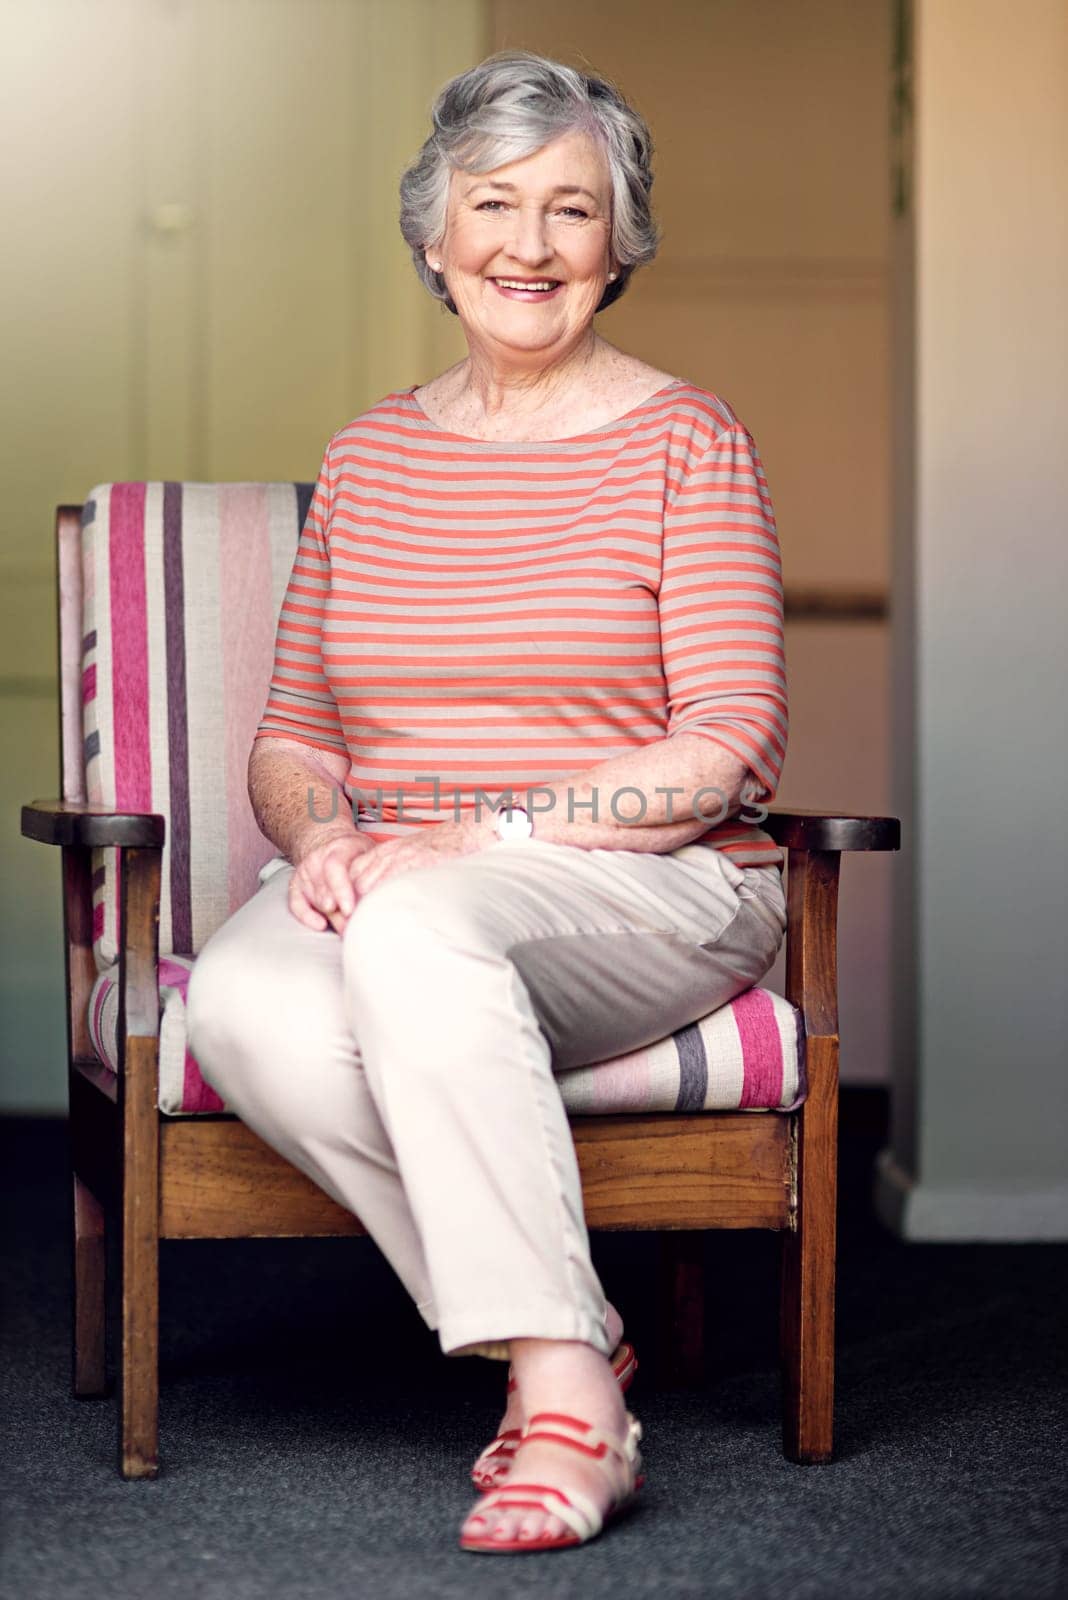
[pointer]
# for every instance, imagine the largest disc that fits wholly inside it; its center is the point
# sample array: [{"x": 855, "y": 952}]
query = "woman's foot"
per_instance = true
[
  {"x": 568, "y": 1516},
  {"x": 493, "y": 1466},
  {"x": 570, "y": 1379}
]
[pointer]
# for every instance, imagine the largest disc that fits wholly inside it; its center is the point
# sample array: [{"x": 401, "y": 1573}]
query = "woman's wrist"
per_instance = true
[
  {"x": 478, "y": 829},
  {"x": 317, "y": 835}
]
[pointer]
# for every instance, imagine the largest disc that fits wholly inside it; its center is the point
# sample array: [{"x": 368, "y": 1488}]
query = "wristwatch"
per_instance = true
[{"x": 512, "y": 822}]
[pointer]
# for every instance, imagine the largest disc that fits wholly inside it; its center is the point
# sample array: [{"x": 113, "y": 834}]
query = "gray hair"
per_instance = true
[{"x": 507, "y": 108}]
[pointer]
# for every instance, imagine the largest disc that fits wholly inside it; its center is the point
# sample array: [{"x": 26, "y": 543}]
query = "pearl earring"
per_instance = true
[
  {"x": 612, "y": 275},
  {"x": 435, "y": 266}
]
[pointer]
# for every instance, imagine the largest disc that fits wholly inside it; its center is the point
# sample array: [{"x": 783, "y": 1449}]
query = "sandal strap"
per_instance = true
[
  {"x": 624, "y": 1362},
  {"x": 587, "y": 1440},
  {"x": 574, "y": 1509},
  {"x": 503, "y": 1446}
]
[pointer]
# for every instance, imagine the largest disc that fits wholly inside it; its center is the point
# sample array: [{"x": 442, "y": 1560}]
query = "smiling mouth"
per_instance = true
[{"x": 528, "y": 288}]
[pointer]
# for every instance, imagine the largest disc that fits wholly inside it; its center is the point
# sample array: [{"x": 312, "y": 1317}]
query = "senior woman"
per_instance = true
[{"x": 528, "y": 679}]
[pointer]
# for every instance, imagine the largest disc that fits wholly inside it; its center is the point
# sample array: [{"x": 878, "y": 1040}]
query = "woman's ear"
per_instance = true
[{"x": 433, "y": 260}]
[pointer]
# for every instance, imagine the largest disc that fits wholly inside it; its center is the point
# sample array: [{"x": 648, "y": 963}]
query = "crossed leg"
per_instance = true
[{"x": 466, "y": 984}]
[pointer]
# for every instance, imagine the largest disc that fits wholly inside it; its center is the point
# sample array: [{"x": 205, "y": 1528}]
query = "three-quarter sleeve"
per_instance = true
[
  {"x": 300, "y": 702},
  {"x": 721, "y": 610}
]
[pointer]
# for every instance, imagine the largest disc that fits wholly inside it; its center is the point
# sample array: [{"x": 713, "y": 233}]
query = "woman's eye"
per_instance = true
[{"x": 496, "y": 206}]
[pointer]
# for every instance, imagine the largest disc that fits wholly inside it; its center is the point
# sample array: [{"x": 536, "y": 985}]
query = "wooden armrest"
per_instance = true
[
  {"x": 70, "y": 822},
  {"x": 812, "y": 914},
  {"x": 817, "y": 830}
]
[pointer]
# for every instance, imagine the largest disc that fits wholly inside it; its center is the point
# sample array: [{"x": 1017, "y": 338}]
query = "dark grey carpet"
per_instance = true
[{"x": 315, "y": 1443}]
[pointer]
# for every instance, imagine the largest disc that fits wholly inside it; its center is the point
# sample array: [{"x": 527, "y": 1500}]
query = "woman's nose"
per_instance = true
[{"x": 530, "y": 241}]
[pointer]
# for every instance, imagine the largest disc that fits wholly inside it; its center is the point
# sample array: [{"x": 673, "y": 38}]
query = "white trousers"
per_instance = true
[{"x": 408, "y": 1066}]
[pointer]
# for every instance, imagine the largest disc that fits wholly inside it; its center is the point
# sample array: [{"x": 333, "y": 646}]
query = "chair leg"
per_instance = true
[
  {"x": 807, "y": 1321},
  {"x": 139, "y": 1409},
  {"x": 681, "y": 1342},
  {"x": 89, "y": 1376},
  {"x": 139, "y": 1383}
]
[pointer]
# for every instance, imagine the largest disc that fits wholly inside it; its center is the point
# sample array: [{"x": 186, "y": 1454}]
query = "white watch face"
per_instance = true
[{"x": 513, "y": 823}]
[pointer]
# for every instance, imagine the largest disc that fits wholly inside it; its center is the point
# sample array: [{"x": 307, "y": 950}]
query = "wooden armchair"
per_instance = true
[{"x": 156, "y": 1176}]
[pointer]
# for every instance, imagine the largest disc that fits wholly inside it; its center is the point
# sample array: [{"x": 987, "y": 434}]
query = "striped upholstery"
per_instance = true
[
  {"x": 182, "y": 588},
  {"x": 747, "y": 1056},
  {"x": 182, "y": 1091}
]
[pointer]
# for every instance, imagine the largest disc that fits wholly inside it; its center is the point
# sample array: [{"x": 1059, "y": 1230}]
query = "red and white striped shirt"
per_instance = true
[{"x": 467, "y": 617}]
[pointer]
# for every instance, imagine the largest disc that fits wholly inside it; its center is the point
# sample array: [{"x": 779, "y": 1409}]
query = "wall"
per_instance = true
[
  {"x": 201, "y": 278},
  {"x": 981, "y": 649}
]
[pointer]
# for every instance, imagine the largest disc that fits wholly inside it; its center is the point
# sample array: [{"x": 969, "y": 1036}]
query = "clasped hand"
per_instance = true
[{"x": 330, "y": 878}]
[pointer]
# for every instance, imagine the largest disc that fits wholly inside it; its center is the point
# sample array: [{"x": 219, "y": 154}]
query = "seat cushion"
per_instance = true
[
  {"x": 182, "y": 584},
  {"x": 746, "y": 1056}
]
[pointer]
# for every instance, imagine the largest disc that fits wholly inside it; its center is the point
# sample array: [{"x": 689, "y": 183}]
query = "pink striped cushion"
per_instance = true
[
  {"x": 181, "y": 1088},
  {"x": 182, "y": 588},
  {"x": 747, "y": 1056}
]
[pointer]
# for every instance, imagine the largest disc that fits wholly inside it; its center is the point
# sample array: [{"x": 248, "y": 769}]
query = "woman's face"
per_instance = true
[{"x": 545, "y": 220}]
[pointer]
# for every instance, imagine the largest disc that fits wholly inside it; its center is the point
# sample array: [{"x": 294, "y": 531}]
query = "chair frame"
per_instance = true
[{"x": 157, "y": 1177}]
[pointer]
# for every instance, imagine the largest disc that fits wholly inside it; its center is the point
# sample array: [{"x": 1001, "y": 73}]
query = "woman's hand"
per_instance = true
[
  {"x": 441, "y": 842},
  {"x": 321, "y": 892},
  {"x": 332, "y": 877}
]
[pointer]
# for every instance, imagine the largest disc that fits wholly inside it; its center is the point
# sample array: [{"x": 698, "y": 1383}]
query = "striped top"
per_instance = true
[{"x": 467, "y": 617}]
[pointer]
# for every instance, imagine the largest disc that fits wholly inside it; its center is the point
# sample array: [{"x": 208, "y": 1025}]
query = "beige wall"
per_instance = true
[
  {"x": 201, "y": 278},
  {"x": 980, "y": 646},
  {"x": 770, "y": 124}
]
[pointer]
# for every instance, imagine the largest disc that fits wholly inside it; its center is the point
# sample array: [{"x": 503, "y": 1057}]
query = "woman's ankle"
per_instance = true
[{"x": 569, "y": 1377}]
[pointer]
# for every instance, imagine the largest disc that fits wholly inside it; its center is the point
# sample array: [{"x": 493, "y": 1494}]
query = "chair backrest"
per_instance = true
[{"x": 181, "y": 588}]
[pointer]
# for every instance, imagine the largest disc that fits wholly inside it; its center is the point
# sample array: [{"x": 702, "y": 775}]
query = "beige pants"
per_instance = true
[{"x": 408, "y": 1066}]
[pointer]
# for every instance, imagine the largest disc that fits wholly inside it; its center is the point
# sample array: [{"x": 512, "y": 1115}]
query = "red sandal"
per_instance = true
[
  {"x": 495, "y": 1462},
  {"x": 582, "y": 1519}
]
